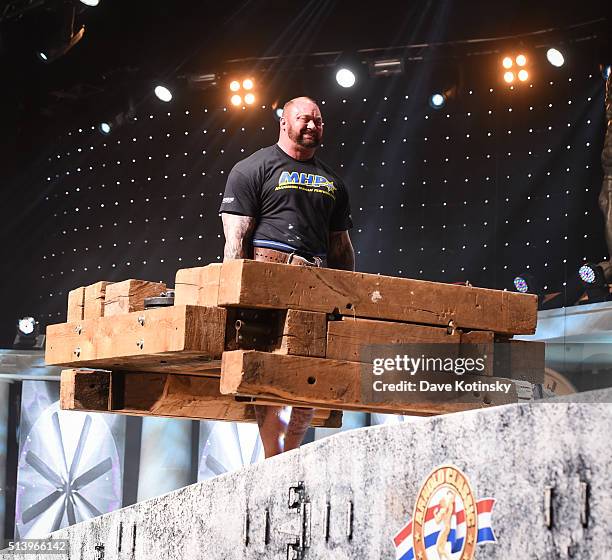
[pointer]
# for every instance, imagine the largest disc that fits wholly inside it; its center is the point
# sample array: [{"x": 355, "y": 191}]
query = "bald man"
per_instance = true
[{"x": 282, "y": 204}]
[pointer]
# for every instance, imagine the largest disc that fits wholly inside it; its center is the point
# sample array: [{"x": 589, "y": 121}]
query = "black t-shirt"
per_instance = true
[{"x": 296, "y": 203}]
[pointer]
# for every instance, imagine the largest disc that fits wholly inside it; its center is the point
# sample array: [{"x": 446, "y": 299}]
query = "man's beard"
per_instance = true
[{"x": 300, "y": 138}]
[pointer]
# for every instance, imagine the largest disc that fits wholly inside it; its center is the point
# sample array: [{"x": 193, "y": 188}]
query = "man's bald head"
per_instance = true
[
  {"x": 301, "y": 126},
  {"x": 298, "y": 101}
]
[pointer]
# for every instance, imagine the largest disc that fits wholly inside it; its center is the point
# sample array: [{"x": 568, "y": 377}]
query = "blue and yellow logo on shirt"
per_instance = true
[{"x": 306, "y": 182}]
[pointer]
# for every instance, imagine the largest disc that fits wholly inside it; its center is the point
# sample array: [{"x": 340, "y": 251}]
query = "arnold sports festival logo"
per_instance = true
[{"x": 448, "y": 522}]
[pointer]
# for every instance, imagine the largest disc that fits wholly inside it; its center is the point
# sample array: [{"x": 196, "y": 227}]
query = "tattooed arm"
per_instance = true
[
  {"x": 340, "y": 253},
  {"x": 238, "y": 231}
]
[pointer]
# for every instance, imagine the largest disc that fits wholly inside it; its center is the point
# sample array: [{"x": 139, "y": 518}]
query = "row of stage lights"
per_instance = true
[
  {"x": 242, "y": 93},
  {"x": 554, "y": 57},
  {"x": 236, "y": 88},
  {"x": 592, "y": 283}
]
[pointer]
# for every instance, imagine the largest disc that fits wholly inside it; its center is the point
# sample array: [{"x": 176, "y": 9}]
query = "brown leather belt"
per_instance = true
[{"x": 272, "y": 255}]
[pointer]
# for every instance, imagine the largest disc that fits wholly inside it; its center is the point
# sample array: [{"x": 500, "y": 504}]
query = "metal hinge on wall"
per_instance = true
[{"x": 299, "y": 527}]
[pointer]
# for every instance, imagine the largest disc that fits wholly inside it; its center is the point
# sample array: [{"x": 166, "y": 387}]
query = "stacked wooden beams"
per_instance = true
[
  {"x": 246, "y": 332},
  {"x": 162, "y": 394}
]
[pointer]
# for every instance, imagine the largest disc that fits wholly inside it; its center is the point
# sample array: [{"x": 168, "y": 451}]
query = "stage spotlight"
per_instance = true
[
  {"x": 234, "y": 85},
  {"x": 278, "y": 112},
  {"x": 91, "y": 3},
  {"x": 236, "y": 100},
  {"x": 163, "y": 93},
  {"x": 507, "y": 62},
  {"x": 600, "y": 273},
  {"x": 346, "y": 78},
  {"x": 521, "y": 285},
  {"x": 437, "y": 100},
  {"x": 28, "y": 334},
  {"x": 590, "y": 273},
  {"x": 526, "y": 284},
  {"x": 606, "y": 72},
  {"x": 596, "y": 278},
  {"x": 26, "y": 326},
  {"x": 249, "y": 99},
  {"x": 105, "y": 128},
  {"x": 555, "y": 57},
  {"x": 523, "y": 75},
  {"x": 521, "y": 60},
  {"x": 509, "y": 77},
  {"x": 247, "y": 84}
]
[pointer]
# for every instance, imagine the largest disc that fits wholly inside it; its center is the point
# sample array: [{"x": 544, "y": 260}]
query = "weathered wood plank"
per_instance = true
[
  {"x": 76, "y": 303},
  {"x": 246, "y": 283},
  {"x": 94, "y": 299},
  {"x": 349, "y": 338},
  {"x": 197, "y": 286},
  {"x": 153, "y": 394},
  {"x": 129, "y": 295},
  {"x": 166, "y": 339},
  {"x": 85, "y": 390},
  {"x": 338, "y": 384},
  {"x": 303, "y": 333},
  {"x": 282, "y": 331},
  {"x": 352, "y": 339}
]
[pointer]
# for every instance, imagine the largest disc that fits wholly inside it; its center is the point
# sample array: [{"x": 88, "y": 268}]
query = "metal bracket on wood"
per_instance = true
[{"x": 298, "y": 504}]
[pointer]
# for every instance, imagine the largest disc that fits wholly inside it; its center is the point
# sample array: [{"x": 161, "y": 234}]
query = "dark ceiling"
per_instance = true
[
  {"x": 165, "y": 37},
  {"x": 136, "y": 42}
]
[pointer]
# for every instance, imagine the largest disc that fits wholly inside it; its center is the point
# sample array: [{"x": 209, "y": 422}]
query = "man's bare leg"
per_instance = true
[
  {"x": 272, "y": 428},
  {"x": 298, "y": 424}
]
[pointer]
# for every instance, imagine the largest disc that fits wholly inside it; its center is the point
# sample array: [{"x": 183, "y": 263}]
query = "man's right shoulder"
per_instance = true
[{"x": 255, "y": 160}]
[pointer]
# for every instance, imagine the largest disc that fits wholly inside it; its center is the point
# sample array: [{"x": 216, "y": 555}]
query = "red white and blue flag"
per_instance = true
[{"x": 431, "y": 529}]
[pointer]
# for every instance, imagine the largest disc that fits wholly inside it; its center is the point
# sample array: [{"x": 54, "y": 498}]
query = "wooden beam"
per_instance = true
[
  {"x": 175, "y": 338},
  {"x": 357, "y": 339},
  {"x": 155, "y": 394},
  {"x": 76, "y": 303},
  {"x": 246, "y": 283},
  {"x": 197, "y": 286},
  {"x": 282, "y": 331},
  {"x": 303, "y": 333},
  {"x": 128, "y": 296},
  {"x": 338, "y": 384},
  {"x": 350, "y": 339},
  {"x": 85, "y": 390},
  {"x": 94, "y": 299}
]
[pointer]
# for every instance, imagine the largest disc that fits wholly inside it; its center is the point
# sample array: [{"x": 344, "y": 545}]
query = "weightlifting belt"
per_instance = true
[{"x": 272, "y": 255}]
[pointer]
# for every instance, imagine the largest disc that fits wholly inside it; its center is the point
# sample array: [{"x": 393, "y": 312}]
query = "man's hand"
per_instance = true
[
  {"x": 340, "y": 252},
  {"x": 238, "y": 231}
]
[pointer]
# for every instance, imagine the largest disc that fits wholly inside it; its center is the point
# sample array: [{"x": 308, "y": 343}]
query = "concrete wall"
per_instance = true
[{"x": 518, "y": 454}]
